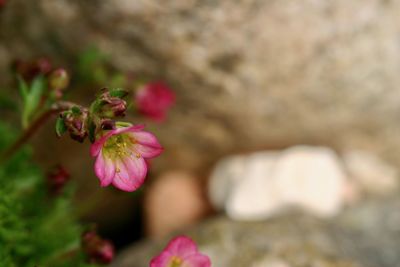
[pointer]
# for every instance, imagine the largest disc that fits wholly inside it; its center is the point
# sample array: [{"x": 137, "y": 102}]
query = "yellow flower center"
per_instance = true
[
  {"x": 119, "y": 146},
  {"x": 175, "y": 262}
]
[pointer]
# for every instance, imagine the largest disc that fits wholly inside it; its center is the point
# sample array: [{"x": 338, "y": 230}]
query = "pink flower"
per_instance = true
[
  {"x": 57, "y": 178},
  {"x": 97, "y": 249},
  {"x": 154, "y": 100},
  {"x": 181, "y": 252},
  {"x": 121, "y": 155}
]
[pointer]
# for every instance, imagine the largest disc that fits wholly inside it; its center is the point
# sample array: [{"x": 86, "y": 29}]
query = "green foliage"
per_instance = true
[
  {"x": 118, "y": 92},
  {"x": 31, "y": 96},
  {"x": 61, "y": 128},
  {"x": 91, "y": 66},
  {"x": 35, "y": 229}
]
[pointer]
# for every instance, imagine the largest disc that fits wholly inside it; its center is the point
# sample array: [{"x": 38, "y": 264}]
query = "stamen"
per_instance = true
[{"x": 175, "y": 261}]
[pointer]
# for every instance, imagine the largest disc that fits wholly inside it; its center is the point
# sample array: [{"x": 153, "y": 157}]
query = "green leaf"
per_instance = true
[
  {"x": 32, "y": 99},
  {"x": 60, "y": 127},
  {"x": 22, "y": 87},
  {"x": 92, "y": 131},
  {"x": 118, "y": 92},
  {"x": 76, "y": 110}
]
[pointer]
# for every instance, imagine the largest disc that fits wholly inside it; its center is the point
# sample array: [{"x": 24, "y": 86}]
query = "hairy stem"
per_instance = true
[{"x": 33, "y": 127}]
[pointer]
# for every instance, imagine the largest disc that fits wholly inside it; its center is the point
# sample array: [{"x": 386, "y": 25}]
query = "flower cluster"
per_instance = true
[{"x": 120, "y": 148}]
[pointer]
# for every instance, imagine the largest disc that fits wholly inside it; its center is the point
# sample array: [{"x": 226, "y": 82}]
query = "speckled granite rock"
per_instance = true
[
  {"x": 366, "y": 235},
  {"x": 248, "y": 75}
]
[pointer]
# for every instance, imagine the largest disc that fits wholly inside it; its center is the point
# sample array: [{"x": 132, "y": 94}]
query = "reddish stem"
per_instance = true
[{"x": 33, "y": 127}]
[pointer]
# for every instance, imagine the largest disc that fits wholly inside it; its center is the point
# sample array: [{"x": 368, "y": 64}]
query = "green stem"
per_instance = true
[{"x": 123, "y": 124}]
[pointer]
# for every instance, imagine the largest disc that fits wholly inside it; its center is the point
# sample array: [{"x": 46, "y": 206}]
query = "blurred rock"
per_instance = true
[
  {"x": 264, "y": 74},
  {"x": 174, "y": 201},
  {"x": 312, "y": 178},
  {"x": 268, "y": 262},
  {"x": 366, "y": 235},
  {"x": 248, "y": 75},
  {"x": 257, "y": 186},
  {"x": 371, "y": 173},
  {"x": 254, "y": 194}
]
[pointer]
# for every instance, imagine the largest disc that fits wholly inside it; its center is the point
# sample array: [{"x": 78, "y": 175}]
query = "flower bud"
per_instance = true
[
  {"x": 98, "y": 250},
  {"x": 43, "y": 65},
  {"x": 108, "y": 124},
  {"x": 58, "y": 79},
  {"x": 111, "y": 106},
  {"x": 30, "y": 69},
  {"x": 75, "y": 121},
  {"x": 57, "y": 178}
]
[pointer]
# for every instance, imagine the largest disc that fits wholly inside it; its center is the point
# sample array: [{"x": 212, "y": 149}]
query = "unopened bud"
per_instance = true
[
  {"x": 111, "y": 106},
  {"x": 75, "y": 121},
  {"x": 43, "y": 65},
  {"x": 58, "y": 79},
  {"x": 108, "y": 124},
  {"x": 57, "y": 179},
  {"x": 97, "y": 249}
]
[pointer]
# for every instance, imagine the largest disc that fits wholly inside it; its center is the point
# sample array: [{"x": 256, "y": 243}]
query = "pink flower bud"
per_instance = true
[
  {"x": 154, "y": 99},
  {"x": 110, "y": 106},
  {"x": 43, "y": 65},
  {"x": 30, "y": 69},
  {"x": 57, "y": 179},
  {"x": 75, "y": 121},
  {"x": 98, "y": 250}
]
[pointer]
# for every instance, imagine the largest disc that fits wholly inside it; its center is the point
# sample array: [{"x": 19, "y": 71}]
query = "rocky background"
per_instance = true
[{"x": 249, "y": 75}]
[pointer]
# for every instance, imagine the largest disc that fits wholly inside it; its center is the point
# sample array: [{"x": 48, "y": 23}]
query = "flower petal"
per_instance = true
[
  {"x": 182, "y": 247},
  {"x": 98, "y": 144},
  {"x": 161, "y": 260},
  {"x": 197, "y": 260},
  {"x": 130, "y": 173},
  {"x": 104, "y": 169},
  {"x": 146, "y": 151},
  {"x": 133, "y": 128},
  {"x": 146, "y": 138}
]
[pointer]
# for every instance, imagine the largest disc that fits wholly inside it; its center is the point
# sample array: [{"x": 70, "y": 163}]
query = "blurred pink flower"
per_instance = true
[
  {"x": 154, "y": 99},
  {"x": 97, "y": 249},
  {"x": 57, "y": 178},
  {"x": 181, "y": 252},
  {"x": 121, "y": 155}
]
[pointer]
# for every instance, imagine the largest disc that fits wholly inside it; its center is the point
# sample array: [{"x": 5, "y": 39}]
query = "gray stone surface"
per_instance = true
[
  {"x": 366, "y": 235},
  {"x": 249, "y": 74}
]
